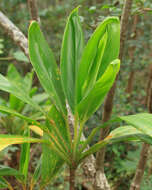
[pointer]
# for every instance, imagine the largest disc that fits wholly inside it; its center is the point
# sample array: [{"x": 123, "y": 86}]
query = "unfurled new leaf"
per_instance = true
[{"x": 101, "y": 49}]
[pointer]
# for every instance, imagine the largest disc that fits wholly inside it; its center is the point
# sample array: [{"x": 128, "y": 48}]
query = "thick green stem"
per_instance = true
[{"x": 72, "y": 178}]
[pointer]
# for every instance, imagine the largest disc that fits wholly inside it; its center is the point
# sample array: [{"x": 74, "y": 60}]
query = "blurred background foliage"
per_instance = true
[{"x": 121, "y": 159}]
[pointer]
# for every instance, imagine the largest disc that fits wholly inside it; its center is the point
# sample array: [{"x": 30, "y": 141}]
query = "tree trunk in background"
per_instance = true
[
  {"x": 129, "y": 88},
  {"x": 33, "y": 10},
  {"x": 109, "y": 101},
  {"x": 135, "y": 185},
  {"x": 147, "y": 89},
  {"x": 131, "y": 51}
]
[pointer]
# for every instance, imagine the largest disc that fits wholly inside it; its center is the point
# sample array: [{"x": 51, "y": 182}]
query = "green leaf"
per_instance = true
[
  {"x": 95, "y": 131},
  {"x": 112, "y": 46},
  {"x": 7, "y": 171},
  {"x": 37, "y": 173},
  {"x": 15, "y": 103},
  {"x": 101, "y": 49},
  {"x": 121, "y": 131},
  {"x": 93, "y": 100},
  {"x": 51, "y": 163},
  {"x": 125, "y": 133},
  {"x": 3, "y": 183},
  {"x": 13, "y": 112},
  {"x": 16, "y": 88},
  {"x": 72, "y": 47},
  {"x": 13, "y": 74},
  {"x": 142, "y": 122},
  {"x": 45, "y": 66},
  {"x": 57, "y": 125},
  {"x": 25, "y": 156},
  {"x": 6, "y": 140},
  {"x": 20, "y": 56},
  {"x": 25, "y": 83},
  {"x": 40, "y": 98}
]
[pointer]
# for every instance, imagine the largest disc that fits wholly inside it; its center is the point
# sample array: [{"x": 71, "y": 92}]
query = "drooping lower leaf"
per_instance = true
[
  {"x": 125, "y": 133},
  {"x": 6, "y": 140}
]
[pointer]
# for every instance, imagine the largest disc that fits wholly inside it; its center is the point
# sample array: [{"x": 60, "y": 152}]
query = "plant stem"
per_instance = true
[{"x": 72, "y": 178}]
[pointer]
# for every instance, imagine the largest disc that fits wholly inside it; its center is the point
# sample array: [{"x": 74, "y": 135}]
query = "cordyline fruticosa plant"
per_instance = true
[{"x": 76, "y": 91}]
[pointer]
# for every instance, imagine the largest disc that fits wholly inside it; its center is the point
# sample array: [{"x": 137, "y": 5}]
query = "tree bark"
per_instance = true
[
  {"x": 129, "y": 88},
  {"x": 108, "y": 106},
  {"x": 131, "y": 51},
  {"x": 32, "y": 5},
  {"x": 135, "y": 185}
]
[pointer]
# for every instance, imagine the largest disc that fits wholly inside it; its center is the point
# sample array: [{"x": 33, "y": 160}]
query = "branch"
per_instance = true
[{"x": 16, "y": 35}]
